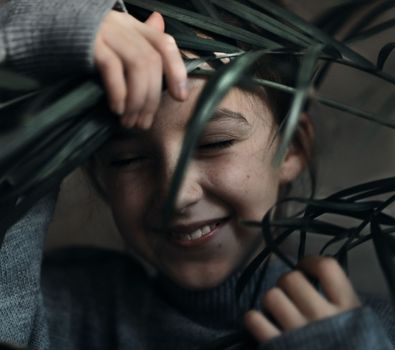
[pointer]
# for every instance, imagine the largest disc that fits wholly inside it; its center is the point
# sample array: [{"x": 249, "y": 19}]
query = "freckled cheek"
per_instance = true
[
  {"x": 127, "y": 200},
  {"x": 249, "y": 190},
  {"x": 231, "y": 181}
]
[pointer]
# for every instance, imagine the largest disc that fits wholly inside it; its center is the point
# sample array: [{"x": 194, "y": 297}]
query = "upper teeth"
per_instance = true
[{"x": 200, "y": 232}]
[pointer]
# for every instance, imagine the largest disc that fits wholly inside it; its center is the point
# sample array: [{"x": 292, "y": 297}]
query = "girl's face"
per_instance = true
[{"x": 231, "y": 176}]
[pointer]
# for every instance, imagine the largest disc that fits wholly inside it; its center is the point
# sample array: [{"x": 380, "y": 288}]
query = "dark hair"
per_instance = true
[
  {"x": 281, "y": 68},
  {"x": 277, "y": 67}
]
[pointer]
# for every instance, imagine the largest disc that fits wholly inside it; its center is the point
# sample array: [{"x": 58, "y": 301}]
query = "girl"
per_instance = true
[{"x": 99, "y": 299}]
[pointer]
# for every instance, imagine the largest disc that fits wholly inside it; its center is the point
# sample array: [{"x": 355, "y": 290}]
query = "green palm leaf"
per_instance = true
[
  {"x": 14, "y": 81},
  {"x": 301, "y": 94},
  {"x": 309, "y": 29},
  {"x": 206, "y": 23}
]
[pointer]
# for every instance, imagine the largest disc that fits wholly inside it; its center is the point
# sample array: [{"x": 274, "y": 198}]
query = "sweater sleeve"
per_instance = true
[
  {"x": 358, "y": 329},
  {"x": 21, "y": 307},
  {"x": 43, "y": 38},
  {"x": 46, "y": 37}
]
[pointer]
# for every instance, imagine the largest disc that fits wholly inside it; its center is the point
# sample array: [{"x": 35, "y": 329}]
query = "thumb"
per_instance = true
[{"x": 155, "y": 20}]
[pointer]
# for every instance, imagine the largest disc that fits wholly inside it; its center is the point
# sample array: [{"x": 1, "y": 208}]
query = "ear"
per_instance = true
[{"x": 300, "y": 151}]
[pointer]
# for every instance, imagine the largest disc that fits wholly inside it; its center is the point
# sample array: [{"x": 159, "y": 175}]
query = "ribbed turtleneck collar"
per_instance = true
[{"x": 219, "y": 307}]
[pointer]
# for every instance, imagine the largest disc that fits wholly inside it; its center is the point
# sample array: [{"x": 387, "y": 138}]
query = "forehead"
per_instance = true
[
  {"x": 239, "y": 110},
  {"x": 236, "y": 107}
]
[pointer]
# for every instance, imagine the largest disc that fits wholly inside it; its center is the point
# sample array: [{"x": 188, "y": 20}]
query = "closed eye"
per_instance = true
[
  {"x": 216, "y": 145},
  {"x": 119, "y": 163}
]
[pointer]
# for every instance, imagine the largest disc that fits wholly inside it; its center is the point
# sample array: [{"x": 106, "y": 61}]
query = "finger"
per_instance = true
[
  {"x": 173, "y": 65},
  {"x": 111, "y": 72},
  {"x": 305, "y": 297},
  {"x": 156, "y": 21},
  {"x": 260, "y": 327},
  {"x": 153, "y": 96},
  {"x": 335, "y": 284},
  {"x": 141, "y": 61},
  {"x": 137, "y": 89},
  {"x": 286, "y": 314}
]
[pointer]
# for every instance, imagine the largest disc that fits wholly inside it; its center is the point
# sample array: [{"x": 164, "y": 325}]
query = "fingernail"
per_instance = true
[
  {"x": 129, "y": 120},
  {"x": 118, "y": 109},
  {"x": 140, "y": 125},
  {"x": 147, "y": 122},
  {"x": 182, "y": 89}
]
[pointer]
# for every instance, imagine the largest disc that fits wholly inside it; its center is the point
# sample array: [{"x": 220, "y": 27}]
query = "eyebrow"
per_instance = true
[
  {"x": 220, "y": 115},
  {"x": 224, "y": 114}
]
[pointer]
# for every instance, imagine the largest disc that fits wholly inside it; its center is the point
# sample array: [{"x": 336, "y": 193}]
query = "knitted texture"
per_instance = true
[
  {"x": 21, "y": 308},
  {"x": 357, "y": 329},
  {"x": 43, "y": 38},
  {"x": 3, "y": 15},
  {"x": 225, "y": 308},
  {"x": 104, "y": 300}
]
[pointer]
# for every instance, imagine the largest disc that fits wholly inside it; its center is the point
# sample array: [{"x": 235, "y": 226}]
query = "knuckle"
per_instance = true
[
  {"x": 107, "y": 62},
  {"x": 168, "y": 43},
  {"x": 101, "y": 59},
  {"x": 116, "y": 18},
  {"x": 121, "y": 17},
  {"x": 115, "y": 14},
  {"x": 169, "y": 40},
  {"x": 289, "y": 278},
  {"x": 327, "y": 265},
  {"x": 270, "y": 297},
  {"x": 134, "y": 63},
  {"x": 150, "y": 58},
  {"x": 324, "y": 311}
]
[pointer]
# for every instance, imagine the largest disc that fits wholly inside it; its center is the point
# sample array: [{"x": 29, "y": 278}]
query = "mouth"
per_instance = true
[{"x": 196, "y": 234}]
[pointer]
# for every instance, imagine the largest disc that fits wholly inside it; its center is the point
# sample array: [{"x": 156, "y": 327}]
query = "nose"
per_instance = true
[{"x": 190, "y": 190}]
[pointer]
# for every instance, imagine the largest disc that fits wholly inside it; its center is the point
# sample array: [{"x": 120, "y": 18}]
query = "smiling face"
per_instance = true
[{"x": 231, "y": 176}]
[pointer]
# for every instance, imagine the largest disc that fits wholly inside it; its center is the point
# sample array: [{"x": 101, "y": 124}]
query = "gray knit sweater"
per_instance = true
[
  {"x": 49, "y": 38},
  {"x": 94, "y": 299}
]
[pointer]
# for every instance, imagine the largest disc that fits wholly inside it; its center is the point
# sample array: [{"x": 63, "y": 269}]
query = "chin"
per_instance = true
[{"x": 198, "y": 279}]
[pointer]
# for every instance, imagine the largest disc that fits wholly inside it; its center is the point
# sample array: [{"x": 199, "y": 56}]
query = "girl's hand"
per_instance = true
[
  {"x": 131, "y": 57},
  {"x": 295, "y": 302}
]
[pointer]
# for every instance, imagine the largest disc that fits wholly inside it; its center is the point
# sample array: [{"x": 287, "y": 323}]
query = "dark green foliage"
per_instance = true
[
  {"x": 44, "y": 136},
  {"x": 384, "y": 54},
  {"x": 16, "y": 82}
]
